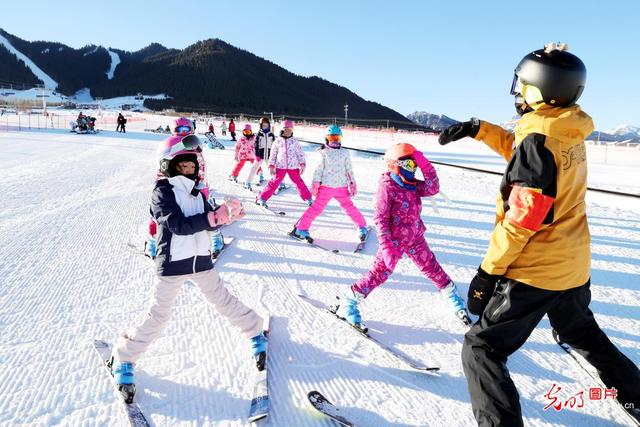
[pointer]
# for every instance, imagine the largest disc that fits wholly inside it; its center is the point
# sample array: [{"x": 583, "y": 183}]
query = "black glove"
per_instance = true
[
  {"x": 481, "y": 290},
  {"x": 459, "y": 130}
]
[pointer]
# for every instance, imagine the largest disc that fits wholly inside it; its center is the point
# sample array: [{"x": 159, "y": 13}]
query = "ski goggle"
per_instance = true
[
  {"x": 247, "y": 132},
  {"x": 334, "y": 138},
  {"x": 516, "y": 86},
  {"x": 183, "y": 129},
  {"x": 408, "y": 164},
  {"x": 188, "y": 143}
]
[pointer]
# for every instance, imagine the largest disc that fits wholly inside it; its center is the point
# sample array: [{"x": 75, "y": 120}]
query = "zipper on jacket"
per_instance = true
[{"x": 194, "y": 263}]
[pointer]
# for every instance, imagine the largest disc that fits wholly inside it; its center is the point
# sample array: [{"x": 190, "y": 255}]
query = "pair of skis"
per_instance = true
[{"x": 258, "y": 410}]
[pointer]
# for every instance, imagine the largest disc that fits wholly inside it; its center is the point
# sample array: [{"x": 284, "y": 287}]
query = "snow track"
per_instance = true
[{"x": 70, "y": 205}]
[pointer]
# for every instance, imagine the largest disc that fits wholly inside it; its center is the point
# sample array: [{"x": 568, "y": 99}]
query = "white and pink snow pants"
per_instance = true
[{"x": 132, "y": 344}]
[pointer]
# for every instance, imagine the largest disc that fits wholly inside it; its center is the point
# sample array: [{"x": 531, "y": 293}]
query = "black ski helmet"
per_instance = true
[{"x": 559, "y": 75}]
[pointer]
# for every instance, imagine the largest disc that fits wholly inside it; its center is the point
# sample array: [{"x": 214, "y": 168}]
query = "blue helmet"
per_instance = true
[{"x": 334, "y": 130}]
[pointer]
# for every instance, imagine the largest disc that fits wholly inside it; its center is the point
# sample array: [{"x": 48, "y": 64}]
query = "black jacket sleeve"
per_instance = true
[
  {"x": 167, "y": 212},
  {"x": 532, "y": 166}
]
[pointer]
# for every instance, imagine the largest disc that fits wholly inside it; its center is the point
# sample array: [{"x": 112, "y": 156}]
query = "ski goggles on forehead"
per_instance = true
[
  {"x": 183, "y": 128},
  {"x": 188, "y": 143},
  {"x": 247, "y": 132},
  {"x": 334, "y": 138},
  {"x": 408, "y": 164}
]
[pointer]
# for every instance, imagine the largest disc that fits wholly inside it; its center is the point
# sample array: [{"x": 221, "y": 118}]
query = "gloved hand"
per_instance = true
[
  {"x": 459, "y": 130},
  {"x": 315, "y": 186},
  {"x": 272, "y": 170},
  {"x": 229, "y": 211},
  {"x": 302, "y": 167},
  {"x": 390, "y": 255},
  {"x": 480, "y": 291},
  {"x": 420, "y": 159},
  {"x": 353, "y": 189}
]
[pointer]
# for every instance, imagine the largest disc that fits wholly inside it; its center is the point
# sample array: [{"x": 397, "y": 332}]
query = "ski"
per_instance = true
[
  {"x": 273, "y": 211},
  {"x": 632, "y": 414},
  {"x": 322, "y": 405},
  {"x": 213, "y": 142},
  {"x": 406, "y": 360},
  {"x": 259, "y": 408},
  {"x": 133, "y": 411},
  {"x": 227, "y": 242},
  {"x": 363, "y": 242},
  {"x": 312, "y": 243}
]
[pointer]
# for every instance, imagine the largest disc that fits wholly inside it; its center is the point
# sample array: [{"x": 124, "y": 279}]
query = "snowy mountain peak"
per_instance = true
[
  {"x": 626, "y": 131},
  {"x": 433, "y": 121}
]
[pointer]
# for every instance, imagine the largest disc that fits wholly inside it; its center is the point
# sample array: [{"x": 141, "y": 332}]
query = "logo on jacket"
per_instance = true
[{"x": 577, "y": 154}]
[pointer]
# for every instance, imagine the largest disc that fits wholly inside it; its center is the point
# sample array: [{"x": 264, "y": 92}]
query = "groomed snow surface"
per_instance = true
[{"x": 72, "y": 203}]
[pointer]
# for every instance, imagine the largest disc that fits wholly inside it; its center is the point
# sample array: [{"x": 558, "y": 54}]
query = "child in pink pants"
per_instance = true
[
  {"x": 287, "y": 158},
  {"x": 332, "y": 179},
  {"x": 401, "y": 231},
  {"x": 244, "y": 152}
]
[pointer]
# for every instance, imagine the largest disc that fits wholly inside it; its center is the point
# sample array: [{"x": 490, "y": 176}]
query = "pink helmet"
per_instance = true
[
  {"x": 183, "y": 127},
  {"x": 175, "y": 149},
  {"x": 247, "y": 127},
  {"x": 287, "y": 124}
]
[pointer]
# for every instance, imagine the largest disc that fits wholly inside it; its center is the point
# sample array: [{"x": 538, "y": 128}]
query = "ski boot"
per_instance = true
[
  {"x": 346, "y": 308},
  {"x": 259, "y": 350},
  {"x": 261, "y": 202},
  {"x": 260, "y": 179},
  {"x": 247, "y": 186},
  {"x": 309, "y": 202},
  {"x": 362, "y": 233},
  {"x": 233, "y": 178},
  {"x": 450, "y": 293},
  {"x": 123, "y": 376},
  {"x": 150, "y": 247},
  {"x": 301, "y": 234},
  {"x": 217, "y": 243}
]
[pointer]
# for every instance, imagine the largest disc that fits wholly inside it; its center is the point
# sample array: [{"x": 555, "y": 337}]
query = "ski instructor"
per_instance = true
[{"x": 538, "y": 260}]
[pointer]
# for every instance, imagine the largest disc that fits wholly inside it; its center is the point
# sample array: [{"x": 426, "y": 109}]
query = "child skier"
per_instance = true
[
  {"x": 286, "y": 158},
  {"x": 184, "y": 218},
  {"x": 223, "y": 128},
  {"x": 263, "y": 143},
  {"x": 183, "y": 127},
  {"x": 244, "y": 152},
  {"x": 333, "y": 178},
  {"x": 400, "y": 231}
]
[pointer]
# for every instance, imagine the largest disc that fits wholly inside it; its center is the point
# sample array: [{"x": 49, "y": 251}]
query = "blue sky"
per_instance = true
[{"x": 446, "y": 57}]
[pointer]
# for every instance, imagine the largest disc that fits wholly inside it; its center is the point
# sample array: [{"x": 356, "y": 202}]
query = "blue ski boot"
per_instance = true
[
  {"x": 450, "y": 293},
  {"x": 260, "y": 179},
  {"x": 302, "y": 234},
  {"x": 124, "y": 378},
  {"x": 217, "y": 243},
  {"x": 346, "y": 308},
  {"x": 261, "y": 202},
  {"x": 259, "y": 350},
  {"x": 150, "y": 247},
  {"x": 310, "y": 201},
  {"x": 362, "y": 233},
  {"x": 247, "y": 186}
]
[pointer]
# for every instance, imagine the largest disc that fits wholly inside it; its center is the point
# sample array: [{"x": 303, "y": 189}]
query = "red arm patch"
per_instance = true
[{"x": 528, "y": 207}]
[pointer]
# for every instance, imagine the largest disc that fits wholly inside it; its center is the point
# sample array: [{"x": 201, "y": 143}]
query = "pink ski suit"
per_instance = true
[
  {"x": 244, "y": 153},
  {"x": 401, "y": 230},
  {"x": 287, "y": 158},
  {"x": 332, "y": 179}
]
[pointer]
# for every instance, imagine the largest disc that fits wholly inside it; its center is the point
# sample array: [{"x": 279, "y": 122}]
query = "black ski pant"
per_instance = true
[{"x": 513, "y": 312}]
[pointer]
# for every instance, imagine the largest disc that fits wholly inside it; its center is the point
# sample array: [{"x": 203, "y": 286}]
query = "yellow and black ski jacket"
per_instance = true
[{"x": 541, "y": 236}]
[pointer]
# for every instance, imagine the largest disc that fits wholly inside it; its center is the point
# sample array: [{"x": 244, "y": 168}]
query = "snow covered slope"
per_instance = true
[
  {"x": 72, "y": 203},
  {"x": 115, "y": 60},
  {"x": 37, "y": 71}
]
